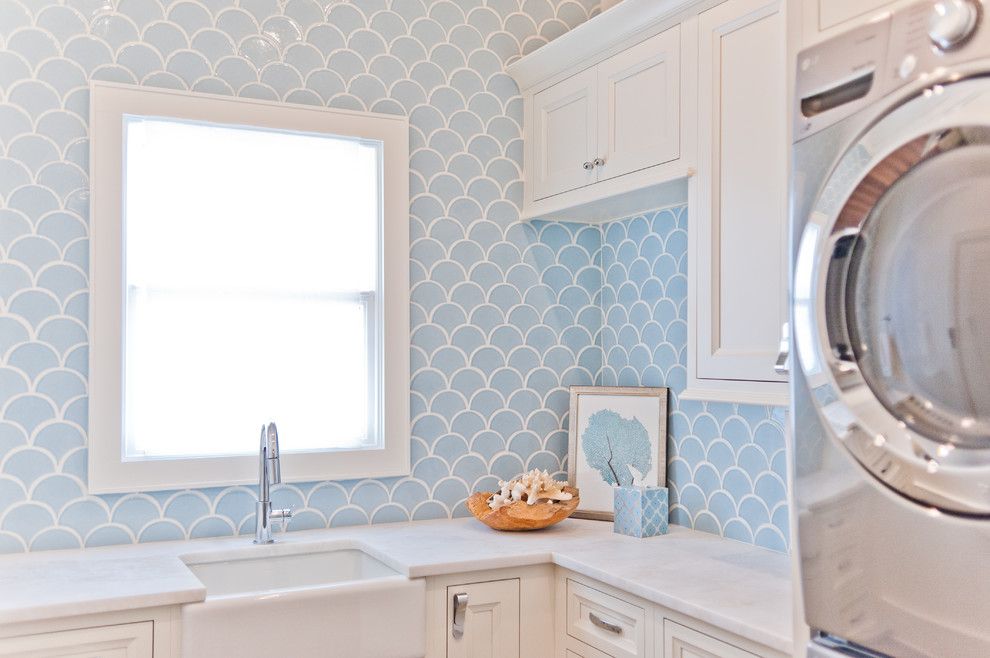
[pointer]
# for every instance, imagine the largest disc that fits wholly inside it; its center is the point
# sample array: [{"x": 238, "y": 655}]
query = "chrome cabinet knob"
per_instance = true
[
  {"x": 951, "y": 22},
  {"x": 588, "y": 166},
  {"x": 598, "y": 162}
]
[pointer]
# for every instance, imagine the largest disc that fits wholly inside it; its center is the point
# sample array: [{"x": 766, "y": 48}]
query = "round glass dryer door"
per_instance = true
[{"x": 892, "y": 299}]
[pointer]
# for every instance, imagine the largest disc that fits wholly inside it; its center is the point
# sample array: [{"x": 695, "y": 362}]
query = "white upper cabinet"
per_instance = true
[
  {"x": 639, "y": 106},
  {"x": 607, "y": 121},
  {"x": 564, "y": 136},
  {"x": 738, "y": 225},
  {"x": 605, "y": 118}
]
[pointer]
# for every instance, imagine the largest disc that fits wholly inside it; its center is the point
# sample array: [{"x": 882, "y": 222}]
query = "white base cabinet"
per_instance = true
[
  {"x": 120, "y": 641},
  {"x": 504, "y": 613},
  {"x": 542, "y": 611},
  {"x": 484, "y": 619},
  {"x": 534, "y": 611},
  {"x": 595, "y": 620},
  {"x": 683, "y": 642},
  {"x": 148, "y": 633}
]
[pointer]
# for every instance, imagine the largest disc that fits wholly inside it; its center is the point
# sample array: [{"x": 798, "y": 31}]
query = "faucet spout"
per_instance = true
[{"x": 269, "y": 473}]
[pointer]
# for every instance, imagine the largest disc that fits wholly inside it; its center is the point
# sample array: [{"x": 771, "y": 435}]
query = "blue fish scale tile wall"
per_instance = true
[
  {"x": 726, "y": 462},
  {"x": 505, "y": 315}
]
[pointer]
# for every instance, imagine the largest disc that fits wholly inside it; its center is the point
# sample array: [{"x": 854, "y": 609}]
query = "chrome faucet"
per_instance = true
[{"x": 270, "y": 472}]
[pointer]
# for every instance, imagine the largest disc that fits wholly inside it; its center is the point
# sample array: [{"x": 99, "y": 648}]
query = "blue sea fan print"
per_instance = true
[{"x": 614, "y": 445}]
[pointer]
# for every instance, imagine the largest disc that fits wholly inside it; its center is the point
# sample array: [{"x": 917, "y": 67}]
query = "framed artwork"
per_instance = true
[{"x": 617, "y": 437}]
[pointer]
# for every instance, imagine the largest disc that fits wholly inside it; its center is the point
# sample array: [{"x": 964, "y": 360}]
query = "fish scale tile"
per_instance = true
[
  {"x": 479, "y": 307},
  {"x": 504, "y": 314}
]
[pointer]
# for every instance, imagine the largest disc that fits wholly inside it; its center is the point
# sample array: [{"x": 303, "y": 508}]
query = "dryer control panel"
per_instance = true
[{"x": 924, "y": 43}]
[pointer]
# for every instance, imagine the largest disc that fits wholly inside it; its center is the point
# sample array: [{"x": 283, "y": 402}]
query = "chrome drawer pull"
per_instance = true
[
  {"x": 604, "y": 625},
  {"x": 460, "y": 609}
]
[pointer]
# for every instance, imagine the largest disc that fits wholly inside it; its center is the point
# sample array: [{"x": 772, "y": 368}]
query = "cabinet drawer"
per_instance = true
[
  {"x": 118, "y": 641},
  {"x": 683, "y": 642},
  {"x": 577, "y": 649},
  {"x": 605, "y": 622}
]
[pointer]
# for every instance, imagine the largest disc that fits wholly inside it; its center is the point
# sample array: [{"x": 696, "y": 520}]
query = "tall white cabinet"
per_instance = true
[{"x": 738, "y": 208}]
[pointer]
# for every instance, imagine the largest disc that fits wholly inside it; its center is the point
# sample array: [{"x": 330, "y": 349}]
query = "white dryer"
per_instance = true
[{"x": 890, "y": 264}]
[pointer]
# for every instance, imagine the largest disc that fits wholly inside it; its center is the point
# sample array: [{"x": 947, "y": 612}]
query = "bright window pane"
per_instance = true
[{"x": 251, "y": 276}]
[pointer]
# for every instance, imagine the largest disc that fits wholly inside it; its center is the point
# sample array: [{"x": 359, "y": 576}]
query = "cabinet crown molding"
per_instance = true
[{"x": 617, "y": 28}]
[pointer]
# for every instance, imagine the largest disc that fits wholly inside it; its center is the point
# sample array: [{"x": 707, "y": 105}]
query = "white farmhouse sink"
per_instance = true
[{"x": 330, "y": 599}]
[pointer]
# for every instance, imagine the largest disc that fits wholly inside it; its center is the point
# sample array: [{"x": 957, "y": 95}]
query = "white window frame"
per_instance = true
[{"x": 108, "y": 471}]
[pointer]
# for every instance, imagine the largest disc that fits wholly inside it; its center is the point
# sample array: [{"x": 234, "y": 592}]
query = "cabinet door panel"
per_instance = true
[
  {"x": 118, "y": 641},
  {"x": 639, "y": 106},
  {"x": 491, "y": 620},
  {"x": 564, "y": 135},
  {"x": 742, "y": 227},
  {"x": 683, "y": 642}
]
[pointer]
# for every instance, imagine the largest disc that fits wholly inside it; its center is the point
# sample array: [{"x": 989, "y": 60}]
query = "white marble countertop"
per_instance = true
[{"x": 735, "y": 586}]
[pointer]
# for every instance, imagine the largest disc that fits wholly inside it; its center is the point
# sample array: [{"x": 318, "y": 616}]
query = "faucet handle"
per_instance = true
[{"x": 283, "y": 515}]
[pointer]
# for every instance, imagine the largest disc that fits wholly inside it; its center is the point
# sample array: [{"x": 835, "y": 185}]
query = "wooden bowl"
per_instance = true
[{"x": 520, "y": 515}]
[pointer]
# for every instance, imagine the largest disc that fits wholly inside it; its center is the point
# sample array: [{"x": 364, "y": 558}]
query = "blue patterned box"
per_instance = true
[{"x": 640, "y": 511}]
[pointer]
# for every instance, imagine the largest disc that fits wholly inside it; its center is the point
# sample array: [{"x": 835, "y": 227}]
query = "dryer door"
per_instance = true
[{"x": 892, "y": 299}]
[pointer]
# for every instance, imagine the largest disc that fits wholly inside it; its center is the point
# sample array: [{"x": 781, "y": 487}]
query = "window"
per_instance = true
[{"x": 249, "y": 263}]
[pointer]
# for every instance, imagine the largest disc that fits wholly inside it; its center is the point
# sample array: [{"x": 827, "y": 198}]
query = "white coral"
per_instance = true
[{"x": 532, "y": 487}]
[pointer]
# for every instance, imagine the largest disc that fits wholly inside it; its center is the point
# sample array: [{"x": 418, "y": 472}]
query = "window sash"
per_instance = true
[{"x": 364, "y": 299}]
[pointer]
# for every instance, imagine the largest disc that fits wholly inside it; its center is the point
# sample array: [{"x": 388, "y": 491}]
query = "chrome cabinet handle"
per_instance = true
[
  {"x": 588, "y": 166},
  {"x": 598, "y": 162},
  {"x": 783, "y": 364},
  {"x": 460, "y": 609},
  {"x": 604, "y": 625}
]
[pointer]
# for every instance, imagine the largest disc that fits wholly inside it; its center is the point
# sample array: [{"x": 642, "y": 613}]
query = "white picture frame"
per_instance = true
[{"x": 644, "y": 408}]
